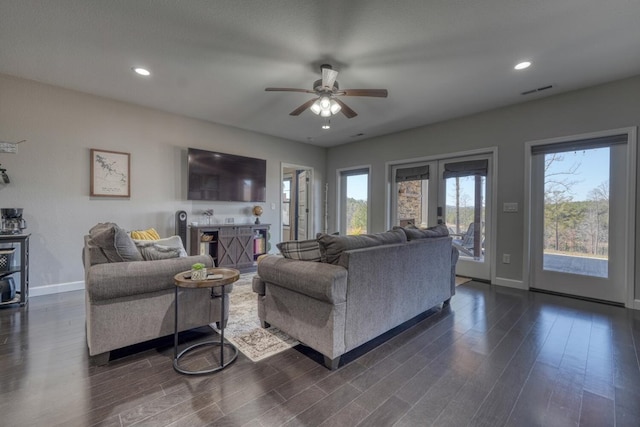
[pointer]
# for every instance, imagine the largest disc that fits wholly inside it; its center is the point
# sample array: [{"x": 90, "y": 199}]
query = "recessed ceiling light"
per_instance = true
[
  {"x": 522, "y": 65},
  {"x": 142, "y": 71}
]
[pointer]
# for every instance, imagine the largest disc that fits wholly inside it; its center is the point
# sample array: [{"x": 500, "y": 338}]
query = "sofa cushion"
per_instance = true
[
  {"x": 148, "y": 234},
  {"x": 114, "y": 242},
  {"x": 170, "y": 247},
  {"x": 303, "y": 250},
  {"x": 331, "y": 246},
  {"x": 414, "y": 233}
]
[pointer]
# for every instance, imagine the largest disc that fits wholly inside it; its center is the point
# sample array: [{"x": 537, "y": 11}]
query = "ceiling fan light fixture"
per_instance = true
[
  {"x": 315, "y": 107},
  {"x": 326, "y": 90},
  {"x": 325, "y": 102},
  {"x": 335, "y": 107}
]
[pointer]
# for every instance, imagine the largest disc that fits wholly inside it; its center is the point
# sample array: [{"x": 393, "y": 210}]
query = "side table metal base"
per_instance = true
[{"x": 223, "y": 365}]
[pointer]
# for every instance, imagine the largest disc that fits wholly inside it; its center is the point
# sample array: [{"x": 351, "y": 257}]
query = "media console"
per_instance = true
[{"x": 232, "y": 246}]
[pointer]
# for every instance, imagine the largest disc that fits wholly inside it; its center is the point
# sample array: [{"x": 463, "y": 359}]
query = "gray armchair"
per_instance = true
[{"x": 129, "y": 302}]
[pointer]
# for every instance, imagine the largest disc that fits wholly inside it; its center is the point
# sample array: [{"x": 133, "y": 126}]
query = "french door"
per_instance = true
[
  {"x": 302, "y": 208},
  {"x": 456, "y": 192},
  {"x": 580, "y": 216}
]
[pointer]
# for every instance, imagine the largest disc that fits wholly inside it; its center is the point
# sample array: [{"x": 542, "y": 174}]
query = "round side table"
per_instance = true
[{"x": 183, "y": 280}]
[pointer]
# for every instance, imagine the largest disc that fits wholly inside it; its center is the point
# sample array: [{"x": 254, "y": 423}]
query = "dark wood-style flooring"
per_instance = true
[{"x": 496, "y": 357}]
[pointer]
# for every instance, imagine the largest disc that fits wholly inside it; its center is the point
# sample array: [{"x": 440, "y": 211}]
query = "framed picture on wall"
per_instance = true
[{"x": 110, "y": 172}]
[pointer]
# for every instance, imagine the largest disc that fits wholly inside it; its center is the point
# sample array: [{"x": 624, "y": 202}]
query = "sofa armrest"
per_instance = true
[
  {"x": 258, "y": 286},
  {"x": 325, "y": 282},
  {"x": 121, "y": 279},
  {"x": 455, "y": 254}
]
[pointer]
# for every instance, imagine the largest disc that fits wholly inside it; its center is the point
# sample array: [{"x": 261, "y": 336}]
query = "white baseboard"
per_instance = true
[
  {"x": 510, "y": 283},
  {"x": 56, "y": 289}
]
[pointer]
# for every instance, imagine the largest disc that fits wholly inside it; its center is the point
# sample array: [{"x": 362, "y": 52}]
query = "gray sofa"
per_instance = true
[
  {"x": 131, "y": 301},
  {"x": 365, "y": 287}
]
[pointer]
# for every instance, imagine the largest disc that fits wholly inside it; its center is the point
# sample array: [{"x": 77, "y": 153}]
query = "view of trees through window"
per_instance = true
[
  {"x": 576, "y": 203},
  {"x": 461, "y": 203},
  {"x": 356, "y": 216},
  {"x": 356, "y": 208}
]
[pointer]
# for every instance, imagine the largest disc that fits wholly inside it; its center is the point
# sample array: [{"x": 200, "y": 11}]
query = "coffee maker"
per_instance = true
[{"x": 11, "y": 221}]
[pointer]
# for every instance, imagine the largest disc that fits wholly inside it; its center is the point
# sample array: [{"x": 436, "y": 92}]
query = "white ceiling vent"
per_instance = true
[{"x": 540, "y": 89}]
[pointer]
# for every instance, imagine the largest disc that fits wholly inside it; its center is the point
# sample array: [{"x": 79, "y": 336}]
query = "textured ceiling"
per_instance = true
[{"x": 212, "y": 59}]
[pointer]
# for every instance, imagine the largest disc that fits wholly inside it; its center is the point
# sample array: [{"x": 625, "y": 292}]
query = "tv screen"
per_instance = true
[{"x": 226, "y": 177}]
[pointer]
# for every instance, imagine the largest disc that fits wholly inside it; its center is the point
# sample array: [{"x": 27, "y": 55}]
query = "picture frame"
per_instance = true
[{"x": 110, "y": 173}]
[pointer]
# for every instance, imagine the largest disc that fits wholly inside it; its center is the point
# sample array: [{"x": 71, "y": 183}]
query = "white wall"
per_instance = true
[
  {"x": 50, "y": 173},
  {"x": 609, "y": 106}
]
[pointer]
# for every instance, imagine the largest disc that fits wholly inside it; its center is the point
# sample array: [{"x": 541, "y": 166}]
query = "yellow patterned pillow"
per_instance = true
[{"x": 149, "y": 234}]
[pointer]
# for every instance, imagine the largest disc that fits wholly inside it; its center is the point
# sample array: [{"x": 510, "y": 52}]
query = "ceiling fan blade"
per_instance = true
[
  {"x": 287, "y": 89},
  {"x": 346, "y": 110},
  {"x": 379, "y": 93},
  {"x": 303, "y": 107},
  {"x": 328, "y": 77}
]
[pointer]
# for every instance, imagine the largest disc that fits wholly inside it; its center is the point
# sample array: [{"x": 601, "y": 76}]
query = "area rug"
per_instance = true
[
  {"x": 243, "y": 327},
  {"x": 462, "y": 280}
]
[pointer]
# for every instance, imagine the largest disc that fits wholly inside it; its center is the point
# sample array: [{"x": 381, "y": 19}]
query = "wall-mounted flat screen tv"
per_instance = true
[{"x": 226, "y": 177}]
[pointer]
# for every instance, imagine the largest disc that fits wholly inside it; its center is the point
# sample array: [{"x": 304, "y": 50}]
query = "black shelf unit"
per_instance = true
[{"x": 22, "y": 268}]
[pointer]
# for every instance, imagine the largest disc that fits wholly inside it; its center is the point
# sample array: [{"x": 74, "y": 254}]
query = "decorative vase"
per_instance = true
[{"x": 199, "y": 274}]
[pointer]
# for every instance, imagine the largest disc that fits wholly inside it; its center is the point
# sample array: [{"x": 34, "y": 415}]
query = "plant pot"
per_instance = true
[{"x": 199, "y": 274}]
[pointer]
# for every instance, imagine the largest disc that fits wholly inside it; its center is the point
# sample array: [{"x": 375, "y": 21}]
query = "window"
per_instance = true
[{"x": 354, "y": 201}]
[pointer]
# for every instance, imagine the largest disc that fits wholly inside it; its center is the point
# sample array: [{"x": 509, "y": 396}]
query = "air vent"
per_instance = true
[{"x": 540, "y": 89}]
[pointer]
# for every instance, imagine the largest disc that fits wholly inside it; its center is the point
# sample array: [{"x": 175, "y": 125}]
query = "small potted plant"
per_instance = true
[{"x": 198, "y": 271}]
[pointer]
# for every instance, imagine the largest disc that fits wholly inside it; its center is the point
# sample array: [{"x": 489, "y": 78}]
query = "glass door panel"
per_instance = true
[
  {"x": 464, "y": 195},
  {"x": 465, "y": 214},
  {"x": 414, "y": 195},
  {"x": 579, "y": 218},
  {"x": 454, "y": 192},
  {"x": 576, "y": 212}
]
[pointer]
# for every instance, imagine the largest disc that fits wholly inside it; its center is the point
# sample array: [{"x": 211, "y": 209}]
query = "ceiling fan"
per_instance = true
[{"x": 327, "y": 92}]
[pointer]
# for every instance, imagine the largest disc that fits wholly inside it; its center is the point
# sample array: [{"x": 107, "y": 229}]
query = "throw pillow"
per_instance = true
[
  {"x": 170, "y": 247},
  {"x": 148, "y": 234},
  {"x": 414, "y": 233},
  {"x": 155, "y": 252},
  {"x": 114, "y": 242},
  {"x": 303, "y": 250},
  {"x": 331, "y": 247}
]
